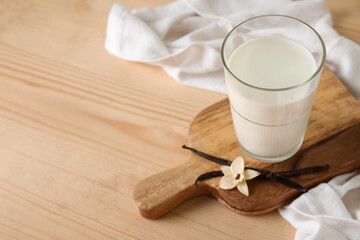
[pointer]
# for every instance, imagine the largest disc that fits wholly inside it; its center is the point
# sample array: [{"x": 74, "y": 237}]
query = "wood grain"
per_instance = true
[
  {"x": 346, "y": 21},
  {"x": 80, "y": 127},
  {"x": 333, "y": 134}
]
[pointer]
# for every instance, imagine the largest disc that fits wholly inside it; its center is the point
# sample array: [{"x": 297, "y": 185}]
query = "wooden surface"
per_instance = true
[
  {"x": 80, "y": 127},
  {"x": 333, "y": 134}
]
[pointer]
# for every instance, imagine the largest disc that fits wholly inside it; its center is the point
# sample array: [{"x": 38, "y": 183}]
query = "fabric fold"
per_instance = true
[
  {"x": 328, "y": 211},
  {"x": 185, "y": 37}
]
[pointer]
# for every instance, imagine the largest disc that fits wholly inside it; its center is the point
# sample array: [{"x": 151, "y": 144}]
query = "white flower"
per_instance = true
[{"x": 235, "y": 176}]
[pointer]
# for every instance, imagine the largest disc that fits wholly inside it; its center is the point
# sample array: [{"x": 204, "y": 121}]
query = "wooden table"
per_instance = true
[{"x": 79, "y": 127}]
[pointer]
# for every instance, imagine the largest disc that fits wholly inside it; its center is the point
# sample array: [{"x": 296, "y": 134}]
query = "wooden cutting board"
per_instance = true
[{"x": 332, "y": 136}]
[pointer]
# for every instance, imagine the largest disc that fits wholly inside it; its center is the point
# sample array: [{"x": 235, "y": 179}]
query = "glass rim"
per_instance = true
[{"x": 318, "y": 70}]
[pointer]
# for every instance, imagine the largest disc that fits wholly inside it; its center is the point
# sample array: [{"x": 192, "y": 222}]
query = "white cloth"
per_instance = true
[
  {"x": 328, "y": 211},
  {"x": 185, "y": 38}
]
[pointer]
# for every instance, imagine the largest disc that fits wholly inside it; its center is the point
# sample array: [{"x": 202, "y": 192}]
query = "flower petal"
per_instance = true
[
  {"x": 226, "y": 170},
  {"x": 243, "y": 188},
  {"x": 250, "y": 174},
  {"x": 237, "y": 165},
  {"x": 227, "y": 182}
]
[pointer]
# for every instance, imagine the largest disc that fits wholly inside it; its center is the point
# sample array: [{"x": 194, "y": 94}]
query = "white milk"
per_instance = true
[{"x": 271, "y": 123}]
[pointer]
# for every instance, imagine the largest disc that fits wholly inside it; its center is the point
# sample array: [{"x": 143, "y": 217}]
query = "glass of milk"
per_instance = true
[{"x": 272, "y": 68}]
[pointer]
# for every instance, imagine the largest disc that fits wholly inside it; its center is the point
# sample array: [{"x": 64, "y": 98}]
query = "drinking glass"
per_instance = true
[{"x": 270, "y": 122}]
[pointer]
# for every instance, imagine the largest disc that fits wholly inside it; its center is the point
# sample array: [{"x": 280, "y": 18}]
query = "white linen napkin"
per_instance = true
[
  {"x": 185, "y": 38},
  {"x": 328, "y": 211}
]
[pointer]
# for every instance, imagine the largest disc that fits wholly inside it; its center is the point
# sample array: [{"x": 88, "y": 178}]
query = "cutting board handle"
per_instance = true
[{"x": 156, "y": 195}]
